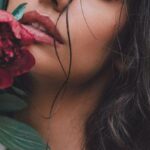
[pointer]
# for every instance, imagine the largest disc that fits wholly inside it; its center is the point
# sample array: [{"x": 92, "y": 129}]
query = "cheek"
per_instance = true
[{"x": 90, "y": 43}]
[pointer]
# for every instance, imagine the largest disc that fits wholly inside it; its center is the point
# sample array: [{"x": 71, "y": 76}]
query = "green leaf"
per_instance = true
[
  {"x": 19, "y": 11},
  {"x": 3, "y": 4},
  {"x": 9, "y": 103},
  {"x": 16, "y": 135},
  {"x": 19, "y": 91}
]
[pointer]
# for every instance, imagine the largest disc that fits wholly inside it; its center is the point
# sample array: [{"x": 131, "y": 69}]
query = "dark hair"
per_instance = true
[{"x": 121, "y": 121}]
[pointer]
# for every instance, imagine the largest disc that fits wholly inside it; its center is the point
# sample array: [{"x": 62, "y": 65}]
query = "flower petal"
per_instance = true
[
  {"x": 23, "y": 64},
  {"x": 19, "y": 31},
  {"x": 14, "y": 56},
  {"x": 5, "y": 16},
  {"x": 6, "y": 79}
]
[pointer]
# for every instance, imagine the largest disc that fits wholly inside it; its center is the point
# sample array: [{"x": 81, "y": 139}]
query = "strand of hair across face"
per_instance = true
[{"x": 68, "y": 75}]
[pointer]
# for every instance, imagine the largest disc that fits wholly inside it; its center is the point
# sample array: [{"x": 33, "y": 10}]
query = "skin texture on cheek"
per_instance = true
[{"x": 96, "y": 23}]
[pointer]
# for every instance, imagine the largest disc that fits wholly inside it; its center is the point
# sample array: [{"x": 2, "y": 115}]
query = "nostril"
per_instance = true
[
  {"x": 55, "y": 2},
  {"x": 60, "y": 5}
]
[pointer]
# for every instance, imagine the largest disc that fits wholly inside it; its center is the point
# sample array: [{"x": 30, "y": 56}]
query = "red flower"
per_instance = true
[{"x": 15, "y": 59}]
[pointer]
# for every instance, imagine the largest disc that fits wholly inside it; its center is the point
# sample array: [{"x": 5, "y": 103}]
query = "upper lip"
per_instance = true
[{"x": 34, "y": 16}]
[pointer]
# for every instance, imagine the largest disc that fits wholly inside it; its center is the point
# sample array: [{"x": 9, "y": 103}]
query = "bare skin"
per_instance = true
[
  {"x": 65, "y": 129},
  {"x": 90, "y": 52}
]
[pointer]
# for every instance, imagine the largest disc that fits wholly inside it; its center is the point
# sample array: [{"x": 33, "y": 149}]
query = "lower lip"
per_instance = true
[{"x": 41, "y": 37}]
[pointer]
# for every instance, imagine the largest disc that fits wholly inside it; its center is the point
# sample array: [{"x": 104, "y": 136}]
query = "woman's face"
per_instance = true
[{"x": 92, "y": 26}]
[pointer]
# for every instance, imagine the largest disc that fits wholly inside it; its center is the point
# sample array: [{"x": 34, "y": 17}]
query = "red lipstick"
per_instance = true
[{"x": 42, "y": 27}]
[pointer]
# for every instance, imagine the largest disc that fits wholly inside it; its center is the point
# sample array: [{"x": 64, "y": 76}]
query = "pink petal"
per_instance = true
[
  {"x": 5, "y": 16},
  {"x": 23, "y": 64},
  {"x": 17, "y": 28},
  {"x": 6, "y": 80}
]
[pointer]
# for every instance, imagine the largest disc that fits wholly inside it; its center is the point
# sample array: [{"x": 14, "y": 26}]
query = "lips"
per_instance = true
[{"x": 41, "y": 27}]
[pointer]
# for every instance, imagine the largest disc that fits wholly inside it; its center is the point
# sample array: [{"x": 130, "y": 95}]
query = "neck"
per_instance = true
[{"x": 71, "y": 109}]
